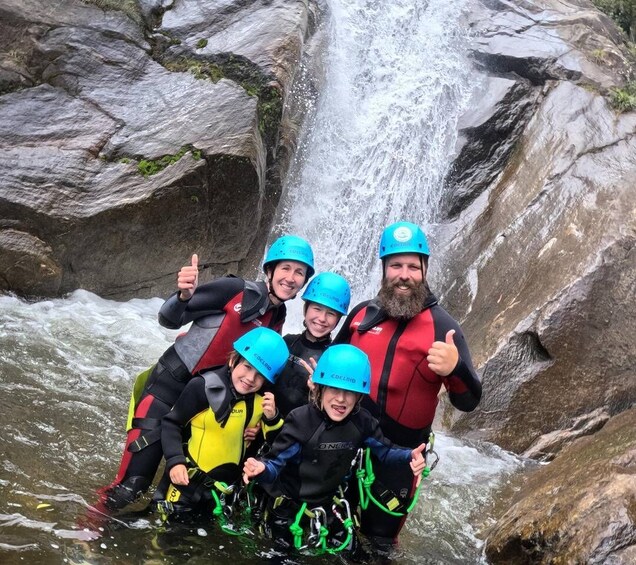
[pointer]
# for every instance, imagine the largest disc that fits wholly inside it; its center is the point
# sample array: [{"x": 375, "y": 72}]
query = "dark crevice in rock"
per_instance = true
[
  {"x": 530, "y": 349},
  {"x": 536, "y": 70},
  {"x": 591, "y": 151},
  {"x": 488, "y": 148}
]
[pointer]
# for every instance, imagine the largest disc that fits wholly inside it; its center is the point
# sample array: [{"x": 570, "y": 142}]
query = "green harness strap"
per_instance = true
[
  {"x": 322, "y": 532},
  {"x": 221, "y": 509},
  {"x": 366, "y": 478}
]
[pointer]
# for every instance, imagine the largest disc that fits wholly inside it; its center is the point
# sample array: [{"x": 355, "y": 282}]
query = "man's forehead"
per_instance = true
[{"x": 404, "y": 258}]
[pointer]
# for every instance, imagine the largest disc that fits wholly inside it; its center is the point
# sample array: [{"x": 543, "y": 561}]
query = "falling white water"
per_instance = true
[{"x": 378, "y": 145}]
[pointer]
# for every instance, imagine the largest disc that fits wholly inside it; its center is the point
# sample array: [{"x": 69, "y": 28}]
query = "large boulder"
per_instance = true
[
  {"x": 120, "y": 158},
  {"x": 537, "y": 241},
  {"x": 557, "y": 518},
  {"x": 540, "y": 260}
]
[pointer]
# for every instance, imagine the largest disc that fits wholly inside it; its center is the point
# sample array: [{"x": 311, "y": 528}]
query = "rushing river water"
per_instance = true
[
  {"x": 66, "y": 371},
  {"x": 375, "y": 149}
]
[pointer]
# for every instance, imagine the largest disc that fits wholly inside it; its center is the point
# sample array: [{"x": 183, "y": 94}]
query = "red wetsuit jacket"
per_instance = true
[{"x": 403, "y": 388}]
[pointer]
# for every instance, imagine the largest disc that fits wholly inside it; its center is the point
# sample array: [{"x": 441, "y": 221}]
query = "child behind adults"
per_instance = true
[
  {"x": 313, "y": 452},
  {"x": 327, "y": 298},
  {"x": 217, "y": 405}
]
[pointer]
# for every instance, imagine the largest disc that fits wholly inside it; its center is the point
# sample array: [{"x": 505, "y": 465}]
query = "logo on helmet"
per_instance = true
[{"x": 402, "y": 234}]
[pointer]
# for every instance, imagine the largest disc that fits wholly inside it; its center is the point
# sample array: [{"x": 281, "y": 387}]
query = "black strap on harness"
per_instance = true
[{"x": 154, "y": 435}]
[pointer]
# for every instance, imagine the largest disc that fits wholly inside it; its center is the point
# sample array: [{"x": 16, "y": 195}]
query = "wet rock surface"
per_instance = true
[
  {"x": 110, "y": 148},
  {"x": 558, "y": 518},
  {"x": 538, "y": 237}
]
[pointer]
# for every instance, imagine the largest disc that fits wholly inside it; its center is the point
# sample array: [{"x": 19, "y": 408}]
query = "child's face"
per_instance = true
[
  {"x": 338, "y": 403},
  {"x": 245, "y": 378},
  {"x": 320, "y": 320}
]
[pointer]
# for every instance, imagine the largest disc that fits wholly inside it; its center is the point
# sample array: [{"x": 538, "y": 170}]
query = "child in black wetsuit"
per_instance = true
[
  {"x": 314, "y": 450},
  {"x": 326, "y": 299}
]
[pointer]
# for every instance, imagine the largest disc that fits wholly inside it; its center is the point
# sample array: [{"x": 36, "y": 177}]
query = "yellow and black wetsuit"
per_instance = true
[
  {"x": 220, "y": 312},
  {"x": 216, "y": 417}
]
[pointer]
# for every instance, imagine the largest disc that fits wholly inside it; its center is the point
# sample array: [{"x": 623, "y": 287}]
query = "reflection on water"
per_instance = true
[{"x": 66, "y": 371}]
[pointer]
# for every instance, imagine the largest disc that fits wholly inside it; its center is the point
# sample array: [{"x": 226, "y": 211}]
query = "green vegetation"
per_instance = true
[
  {"x": 623, "y": 12},
  {"x": 148, "y": 167},
  {"x": 245, "y": 74},
  {"x": 128, "y": 7},
  {"x": 202, "y": 43},
  {"x": 624, "y": 99},
  {"x": 200, "y": 69},
  {"x": 599, "y": 56}
]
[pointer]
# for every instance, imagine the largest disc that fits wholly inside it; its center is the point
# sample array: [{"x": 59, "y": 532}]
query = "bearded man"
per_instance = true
[{"x": 415, "y": 347}]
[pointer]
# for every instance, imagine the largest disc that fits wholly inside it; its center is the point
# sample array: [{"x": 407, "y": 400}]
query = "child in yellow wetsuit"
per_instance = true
[{"x": 216, "y": 406}]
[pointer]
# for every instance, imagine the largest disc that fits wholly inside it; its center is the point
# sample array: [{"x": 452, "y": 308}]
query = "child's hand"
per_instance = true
[
  {"x": 252, "y": 468},
  {"x": 310, "y": 369},
  {"x": 269, "y": 405},
  {"x": 250, "y": 433},
  {"x": 418, "y": 463},
  {"x": 179, "y": 475},
  {"x": 188, "y": 278}
]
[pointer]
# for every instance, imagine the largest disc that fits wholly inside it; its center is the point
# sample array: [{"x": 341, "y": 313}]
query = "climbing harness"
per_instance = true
[
  {"x": 318, "y": 537},
  {"x": 385, "y": 499}
]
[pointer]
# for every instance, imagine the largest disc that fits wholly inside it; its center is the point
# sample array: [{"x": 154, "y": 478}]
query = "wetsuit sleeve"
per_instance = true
[
  {"x": 191, "y": 402},
  {"x": 209, "y": 298},
  {"x": 272, "y": 426},
  {"x": 286, "y": 447},
  {"x": 381, "y": 447},
  {"x": 344, "y": 335},
  {"x": 463, "y": 384}
]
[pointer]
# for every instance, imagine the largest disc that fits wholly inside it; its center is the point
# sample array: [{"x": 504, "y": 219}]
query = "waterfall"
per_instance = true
[{"x": 378, "y": 145}]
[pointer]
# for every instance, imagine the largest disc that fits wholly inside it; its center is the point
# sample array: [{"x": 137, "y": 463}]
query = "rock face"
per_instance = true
[
  {"x": 537, "y": 234},
  {"x": 541, "y": 226},
  {"x": 123, "y": 137},
  {"x": 557, "y": 518}
]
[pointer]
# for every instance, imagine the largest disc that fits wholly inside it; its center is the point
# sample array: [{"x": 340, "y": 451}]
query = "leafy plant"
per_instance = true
[{"x": 624, "y": 99}]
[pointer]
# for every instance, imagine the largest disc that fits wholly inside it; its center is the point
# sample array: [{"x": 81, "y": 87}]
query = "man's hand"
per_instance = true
[
  {"x": 443, "y": 355},
  {"x": 188, "y": 279}
]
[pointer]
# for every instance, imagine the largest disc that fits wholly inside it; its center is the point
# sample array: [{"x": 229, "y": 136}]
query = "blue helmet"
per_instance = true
[
  {"x": 344, "y": 366},
  {"x": 403, "y": 237},
  {"x": 291, "y": 248},
  {"x": 330, "y": 290},
  {"x": 265, "y": 350}
]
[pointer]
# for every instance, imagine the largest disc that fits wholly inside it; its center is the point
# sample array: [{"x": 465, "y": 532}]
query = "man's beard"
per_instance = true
[{"x": 403, "y": 307}]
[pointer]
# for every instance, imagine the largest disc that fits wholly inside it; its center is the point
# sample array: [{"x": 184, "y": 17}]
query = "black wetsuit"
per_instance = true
[
  {"x": 312, "y": 456},
  {"x": 404, "y": 390},
  {"x": 221, "y": 311},
  {"x": 291, "y": 389}
]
